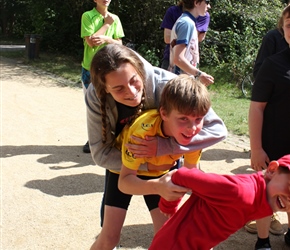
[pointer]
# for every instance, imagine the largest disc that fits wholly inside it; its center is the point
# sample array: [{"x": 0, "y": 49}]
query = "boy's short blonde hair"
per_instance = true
[{"x": 186, "y": 95}]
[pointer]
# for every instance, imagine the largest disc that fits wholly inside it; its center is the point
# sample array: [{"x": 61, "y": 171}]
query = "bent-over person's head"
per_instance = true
[{"x": 118, "y": 71}]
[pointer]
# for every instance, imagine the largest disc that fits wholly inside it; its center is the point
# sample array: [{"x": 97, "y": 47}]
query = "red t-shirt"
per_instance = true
[{"x": 218, "y": 206}]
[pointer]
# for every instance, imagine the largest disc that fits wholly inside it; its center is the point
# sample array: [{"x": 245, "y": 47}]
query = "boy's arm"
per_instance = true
[
  {"x": 259, "y": 158},
  {"x": 130, "y": 183}
]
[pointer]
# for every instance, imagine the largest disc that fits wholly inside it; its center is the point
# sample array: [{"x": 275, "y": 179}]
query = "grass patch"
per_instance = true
[
  {"x": 63, "y": 66},
  {"x": 232, "y": 107}
]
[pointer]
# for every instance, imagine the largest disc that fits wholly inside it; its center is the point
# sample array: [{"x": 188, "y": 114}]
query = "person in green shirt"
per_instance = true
[{"x": 99, "y": 27}]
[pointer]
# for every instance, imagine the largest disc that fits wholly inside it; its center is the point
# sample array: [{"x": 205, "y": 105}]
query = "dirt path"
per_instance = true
[{"x": 51, "y": 191}]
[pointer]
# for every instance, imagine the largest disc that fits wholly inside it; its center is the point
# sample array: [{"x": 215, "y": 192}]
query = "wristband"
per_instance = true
[{"x": 198, "y": 74}]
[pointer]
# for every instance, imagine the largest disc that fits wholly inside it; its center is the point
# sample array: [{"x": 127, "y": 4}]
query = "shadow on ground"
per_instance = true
[
  {"x": 69, "y": 185},
  {"x": 58, "y": 157},
  {"x": 224, "y": 154}
]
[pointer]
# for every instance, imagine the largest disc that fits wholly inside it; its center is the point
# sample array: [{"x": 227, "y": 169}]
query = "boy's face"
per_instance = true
[
  {"x": 203, "y": 7},
  {"x": 182, "y": 127},
  {"x": 278, "y": 188}
]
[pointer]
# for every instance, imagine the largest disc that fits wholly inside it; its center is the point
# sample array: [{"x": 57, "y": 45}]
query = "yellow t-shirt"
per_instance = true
[{"x": 149, "y": 124}]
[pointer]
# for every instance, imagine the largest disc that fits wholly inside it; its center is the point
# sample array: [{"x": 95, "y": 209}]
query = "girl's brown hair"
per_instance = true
[
  {"x": 107, "y": 60},
  {"x": 186, "y": 95}
]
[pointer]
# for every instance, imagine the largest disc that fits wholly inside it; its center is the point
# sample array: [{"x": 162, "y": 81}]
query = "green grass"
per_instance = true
[
  {"x": 232, "y": 107},
  {"x": 227, "y": 99},
  {"x": 64, "y": 66}
]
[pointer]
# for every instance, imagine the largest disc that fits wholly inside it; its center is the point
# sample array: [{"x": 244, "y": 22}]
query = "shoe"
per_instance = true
[
  {"x": 266, "y": 246},
  {"x": 276, "y": 227},
  {"x": 86, "y": 148},
  {"x": 287, "y": 237},
  {"x": 251, "y": 227}
]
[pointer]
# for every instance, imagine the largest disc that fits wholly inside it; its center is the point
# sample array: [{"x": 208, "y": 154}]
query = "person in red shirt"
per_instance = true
[{"x": 202, "y": 221}]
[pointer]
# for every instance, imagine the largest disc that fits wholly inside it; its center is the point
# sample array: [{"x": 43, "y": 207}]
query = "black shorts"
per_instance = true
[{"x": 114, "y": 197}]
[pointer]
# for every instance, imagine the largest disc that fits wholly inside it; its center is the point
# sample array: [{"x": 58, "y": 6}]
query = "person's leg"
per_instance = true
[
  {"x": 152, "y": 201},
  {"x": 111, "y": 230},
  {"x": 263, "y": 226},
  {"x": 158, "y": 219},
  {"x": 165, "y": 63},
  {"x": 102, "y": 210},
  {"x": 86, "y": 80},
  {"x": 116, "y": 204}
]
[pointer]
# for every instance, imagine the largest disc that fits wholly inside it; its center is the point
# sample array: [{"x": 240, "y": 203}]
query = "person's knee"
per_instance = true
[
  {"x": 105, "y": 243},
  {"x": 109, "y": 239}
]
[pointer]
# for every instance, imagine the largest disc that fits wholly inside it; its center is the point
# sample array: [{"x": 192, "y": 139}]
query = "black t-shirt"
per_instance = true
[
  {"x": 272, "y": 43},
  {"x": 125, "y": 113},
  {"x": 272, "y": 85}
]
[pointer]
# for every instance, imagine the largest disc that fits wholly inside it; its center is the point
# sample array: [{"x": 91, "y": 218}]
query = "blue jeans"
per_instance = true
[{"x": 86, "y": 77}]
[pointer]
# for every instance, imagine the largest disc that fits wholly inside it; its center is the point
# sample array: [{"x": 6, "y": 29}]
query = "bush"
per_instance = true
[{"x": 236, "y": 31}]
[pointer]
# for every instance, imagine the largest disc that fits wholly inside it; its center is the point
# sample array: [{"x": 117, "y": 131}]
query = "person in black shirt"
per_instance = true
[
  {"x": 269, "y": 119},
  {"x": 272, "y": 43}
]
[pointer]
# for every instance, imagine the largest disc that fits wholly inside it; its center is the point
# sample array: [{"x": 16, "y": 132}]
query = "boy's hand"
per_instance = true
[
  {"x": 206, "y": 79},
  {"x": 259, "y": 159},
  {"x": 108, "y": 19},
  {"x": 144, "y": 147},
  {"x": 99, "y": 40},
  {"x": 168, "y": 190}
]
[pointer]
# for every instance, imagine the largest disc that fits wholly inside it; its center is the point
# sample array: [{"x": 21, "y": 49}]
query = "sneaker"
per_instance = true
[
  {"x": 251, "y": 227},
  {"x": 86, "y": 148},
  {"x": 287, "y": 237},
  {"x": 276, "y": 227},
  {"x": 266, "y": 246}
]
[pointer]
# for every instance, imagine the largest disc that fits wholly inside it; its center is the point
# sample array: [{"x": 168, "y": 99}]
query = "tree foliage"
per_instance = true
[{"x": 231, "y": 44}]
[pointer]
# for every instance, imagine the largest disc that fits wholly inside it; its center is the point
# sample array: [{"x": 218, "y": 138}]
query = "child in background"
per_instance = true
[
  {"x": 269, "y": 119},
  {"x": 98, "y": 28},
  {"x": 170, "y": 17},
  {"x": 202, "y": 221},
  {"x": 272, "y": 43},
  {"x": 184, "y": 49}
]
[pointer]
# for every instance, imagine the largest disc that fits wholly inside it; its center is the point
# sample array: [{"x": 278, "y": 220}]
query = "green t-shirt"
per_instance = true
[{"x": 91, "y": 22}]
